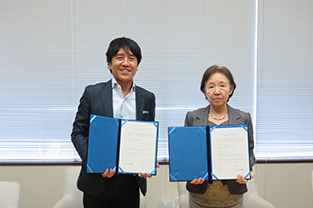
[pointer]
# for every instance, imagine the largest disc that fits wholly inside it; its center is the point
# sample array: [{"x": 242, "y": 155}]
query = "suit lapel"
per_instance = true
[
  {"x": 203, "y": 116},
  {"x": 106, "y": 98},
  {"x": 233, "y": 116},
  {"x": 140, "y": 100}
]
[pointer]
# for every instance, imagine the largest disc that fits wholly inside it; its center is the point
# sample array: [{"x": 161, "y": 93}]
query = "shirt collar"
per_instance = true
[{"x": 115, "y": 84}]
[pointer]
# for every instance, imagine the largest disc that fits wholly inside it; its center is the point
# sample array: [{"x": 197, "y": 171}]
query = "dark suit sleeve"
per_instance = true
[
  {"x": 187, "y": 119},
  {"x": 81, "y": 127}
]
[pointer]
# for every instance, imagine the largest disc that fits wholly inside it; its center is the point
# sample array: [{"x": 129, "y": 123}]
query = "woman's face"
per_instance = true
[{"x": 217, "y": 90}]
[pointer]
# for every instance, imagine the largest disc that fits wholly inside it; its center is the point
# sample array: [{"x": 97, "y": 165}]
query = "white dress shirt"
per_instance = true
[{"x": 123, "y": 107}]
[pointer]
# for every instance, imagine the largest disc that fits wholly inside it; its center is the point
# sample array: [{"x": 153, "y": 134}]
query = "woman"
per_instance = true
[{"x": 218, "y": 86}]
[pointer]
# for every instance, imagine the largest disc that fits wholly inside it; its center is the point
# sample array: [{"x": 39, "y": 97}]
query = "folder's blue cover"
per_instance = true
[
  {"x": 188, "y": 156},
  {"x": 102, "y": 144}
]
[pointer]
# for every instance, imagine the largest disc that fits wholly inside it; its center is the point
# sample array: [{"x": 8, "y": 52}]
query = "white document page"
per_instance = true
[
  {"x": 138, "y": 147},
  {"x": 230, "y": 153}
]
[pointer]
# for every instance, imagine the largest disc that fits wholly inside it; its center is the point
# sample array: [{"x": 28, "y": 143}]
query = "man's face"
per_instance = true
[{"x": 123, "y": 67}]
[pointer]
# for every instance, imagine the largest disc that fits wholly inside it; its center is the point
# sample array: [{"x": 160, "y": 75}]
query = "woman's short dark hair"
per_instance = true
[
  {"x": 220, "y": 69},
  {"x": 127, "y": 44}
]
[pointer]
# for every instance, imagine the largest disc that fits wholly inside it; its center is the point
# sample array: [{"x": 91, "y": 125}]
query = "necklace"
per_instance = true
[{"x": 221, "y": 118}]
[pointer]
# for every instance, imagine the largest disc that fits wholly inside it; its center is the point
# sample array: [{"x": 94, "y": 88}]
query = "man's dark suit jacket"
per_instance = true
[
  {"x": 97, "y": 99},
  {"x": 200, "y": 118}
]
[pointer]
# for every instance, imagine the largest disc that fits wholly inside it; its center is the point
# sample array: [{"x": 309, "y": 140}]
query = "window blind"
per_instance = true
[
  {"x": 284, "y": 80},
  {"x": 50, "y": 50}
]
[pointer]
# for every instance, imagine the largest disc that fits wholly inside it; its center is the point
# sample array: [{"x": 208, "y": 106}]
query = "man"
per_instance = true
[{"x": 118, "y": 98}]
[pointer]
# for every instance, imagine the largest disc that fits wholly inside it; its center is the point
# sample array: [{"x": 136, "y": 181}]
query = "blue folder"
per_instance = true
[
  {"x": 188, "y": 156},
  {"x": 190, "y": 152},
  {"x": 104, "y": 144}
]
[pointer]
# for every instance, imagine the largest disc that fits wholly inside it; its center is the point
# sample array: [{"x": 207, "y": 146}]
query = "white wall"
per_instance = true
[{"x": 286, "y": 185}]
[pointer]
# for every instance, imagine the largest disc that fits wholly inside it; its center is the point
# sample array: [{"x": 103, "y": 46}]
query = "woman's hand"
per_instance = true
[
  {"x": 242, "y": 180},
  {"x": 197, "y": 181}
]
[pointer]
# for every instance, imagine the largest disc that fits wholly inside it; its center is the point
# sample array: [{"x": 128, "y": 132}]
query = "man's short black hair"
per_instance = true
[{"x": 127, "y": 44}]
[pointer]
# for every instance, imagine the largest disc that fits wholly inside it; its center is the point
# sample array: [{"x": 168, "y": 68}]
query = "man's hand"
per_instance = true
[
  {"x": 108, "y": 173},
  {"x": 142, "y": 175}
]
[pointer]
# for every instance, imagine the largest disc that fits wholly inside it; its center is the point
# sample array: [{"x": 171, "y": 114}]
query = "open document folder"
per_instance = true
[
  {"x": 208, "y": 152},
  {"x": 129, "y": 146}
]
